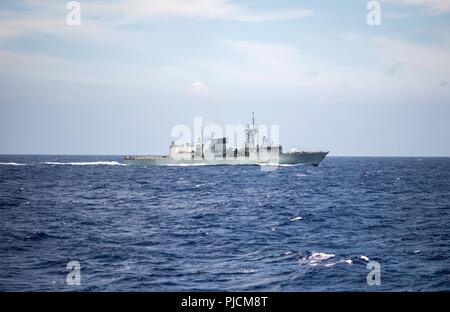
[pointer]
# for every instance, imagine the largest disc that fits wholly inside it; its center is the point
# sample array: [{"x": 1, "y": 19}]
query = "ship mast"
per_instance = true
[
  {"x": 203, "y": 155},
  {"x": 251, "y": 131}
]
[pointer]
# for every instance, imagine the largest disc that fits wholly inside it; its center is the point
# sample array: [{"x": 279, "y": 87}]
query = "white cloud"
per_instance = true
[
  {"x": 205, "y": 9},
  {"x": 282, "y": 68},
  {"x": 42, "y": 67},
  {"x": 14, "y": 25},
  {"x": 102, "y": 20},
  {"x": 431, "y": 58},
  {"x": 437, "y": 6},
  {"x": 277, "y": 57},
  {"x": 199, "y": 88}
]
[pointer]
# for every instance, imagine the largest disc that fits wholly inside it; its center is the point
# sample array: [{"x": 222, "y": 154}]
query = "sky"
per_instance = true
[{"x": 118, "y": 82}]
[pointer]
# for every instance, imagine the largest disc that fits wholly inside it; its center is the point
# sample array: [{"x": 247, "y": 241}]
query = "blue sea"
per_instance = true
[{"x": 229, "y": 228}]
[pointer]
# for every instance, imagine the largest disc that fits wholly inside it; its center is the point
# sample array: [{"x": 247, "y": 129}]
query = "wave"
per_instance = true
[
  {"x": 12, "y": 164},
  {"x": 36, "y": 235},
  {"x": 348, "y": 261},
  {"x": 365, "y": 258},
  {"x": 89, "y": 163},
  {"x": 315, "y": 258},
  {"x": 323, "y": 259}
]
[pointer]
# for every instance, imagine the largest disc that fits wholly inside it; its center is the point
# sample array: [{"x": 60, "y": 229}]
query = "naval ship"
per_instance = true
[{"x": 220, "y": 153}]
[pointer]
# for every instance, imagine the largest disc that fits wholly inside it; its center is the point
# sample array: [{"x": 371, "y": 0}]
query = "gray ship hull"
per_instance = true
[
  {"x": 297, "y": 158},
  {"x": 308, "y": 158}
]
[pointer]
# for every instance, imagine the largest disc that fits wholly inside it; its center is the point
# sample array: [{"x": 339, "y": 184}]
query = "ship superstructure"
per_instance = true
[{"x": 221, "y": 152}]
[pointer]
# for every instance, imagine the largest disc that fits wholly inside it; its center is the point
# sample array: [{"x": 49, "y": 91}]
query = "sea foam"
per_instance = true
[
  {"x": 315, "y": 258},
  {"x": 12, "y": 164}
]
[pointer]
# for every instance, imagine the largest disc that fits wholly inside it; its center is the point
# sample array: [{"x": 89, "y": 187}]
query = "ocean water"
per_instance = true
[{"x": 298, "y": 228}]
